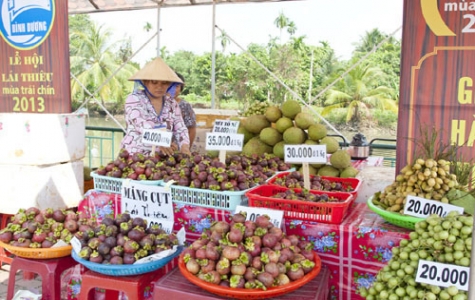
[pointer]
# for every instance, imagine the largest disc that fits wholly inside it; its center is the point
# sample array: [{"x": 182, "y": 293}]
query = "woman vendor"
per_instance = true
[{"x": 150, "y": 106}]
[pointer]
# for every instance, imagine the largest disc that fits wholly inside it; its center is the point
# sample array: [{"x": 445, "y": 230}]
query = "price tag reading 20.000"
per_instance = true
[
  {"x": 224, "y": 141},
  {"x": 305, "y": 153},
  {"x": 444, "y": 275},
  {"x": 422, "y": 208}
]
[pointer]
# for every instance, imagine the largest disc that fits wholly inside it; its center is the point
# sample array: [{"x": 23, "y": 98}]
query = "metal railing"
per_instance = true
[{"x": 103, "y": 145}]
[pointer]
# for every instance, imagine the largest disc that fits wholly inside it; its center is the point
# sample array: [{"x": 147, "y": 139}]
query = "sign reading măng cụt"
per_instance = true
[{"x": 152, "y": 203}]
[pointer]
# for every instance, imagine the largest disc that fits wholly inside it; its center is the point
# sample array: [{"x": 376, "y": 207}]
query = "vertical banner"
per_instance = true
[
  {"x": 34, "y": 56},
  {"x": 437, "y": 75}
]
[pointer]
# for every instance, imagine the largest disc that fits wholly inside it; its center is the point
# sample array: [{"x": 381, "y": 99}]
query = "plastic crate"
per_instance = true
[
  {"x": 333, "y": 212},
  {"x": 114, "y": 185},
  {"x": 354, "y": 183},
  {"x": 225, "y": 200}
]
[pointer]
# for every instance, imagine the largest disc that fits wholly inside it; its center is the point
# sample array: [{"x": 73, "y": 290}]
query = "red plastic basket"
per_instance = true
[
  {"x": 352, "y": 183},
  {"x": 324, "y": 212}
]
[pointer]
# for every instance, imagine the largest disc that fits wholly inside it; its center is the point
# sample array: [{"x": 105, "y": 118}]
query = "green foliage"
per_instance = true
[{"x": 371, "y": 90}]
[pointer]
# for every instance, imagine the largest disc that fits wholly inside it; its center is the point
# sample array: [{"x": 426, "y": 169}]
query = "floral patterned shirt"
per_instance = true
[
  {"x": 188, "y": 114},
  {"x": 140, "y": 114}
]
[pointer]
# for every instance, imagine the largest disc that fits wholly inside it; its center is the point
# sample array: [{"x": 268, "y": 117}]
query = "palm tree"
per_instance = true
[
  {"x": 225, "y": 41},
  {"x": 147, "y": 27},
  {"x": 94, "y": 61},
  {"x": 281, "y": 22},
  {"x": 291, "y": 28},
  {"x": 357, "y": 92},
  {"x": 370, "y": 40}
]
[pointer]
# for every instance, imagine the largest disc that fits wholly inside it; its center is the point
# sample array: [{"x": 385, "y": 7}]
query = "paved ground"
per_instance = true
[{"x": 33, "y": 285}]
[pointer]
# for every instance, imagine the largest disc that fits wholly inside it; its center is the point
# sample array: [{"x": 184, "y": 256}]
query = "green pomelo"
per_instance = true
[
  {"x": 270, "y": 136},
  {"x": 317, "y": 132},
  {"x": 310, "y": 142},
  {"x": 273, "y": 113},
  {"x": 311, "y": 170},
  {"x": 304, "y": 120},
  {"x": 283, "y": 124},
  {"x": 247, "y": 135},
  {"x": 349, "y": 172},
  {"x": 255, "y": 123},
  {"x": 328, "y": 170},
  {"x": 341, "y": 159},
  {"x": 290, "y": 108},
  {"x": 331, "y": 143},
  {"x": 256, "y": 146},
  {"x": 278, "y": 149},
  {"x": 294, "y": 136}
]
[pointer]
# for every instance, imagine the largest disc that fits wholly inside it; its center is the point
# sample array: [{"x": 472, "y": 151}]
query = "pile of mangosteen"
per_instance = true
[
  {"x": 247, "y": 254},
  {"x": 304, "y": 195},
  {"x": 122, "y": 240},
  {"x": 35, "y": 228},
  {"x": 295, "y": 180},
  {"x": 196, "y": 171}
]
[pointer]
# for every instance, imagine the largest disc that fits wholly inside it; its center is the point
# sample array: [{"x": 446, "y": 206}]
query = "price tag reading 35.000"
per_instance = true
[
  {"x": 445, "y": 275},
  {"x": 224, "y": 141},
  {"x": 422, "y": 208},
  {"x": 305, "y": 153},
  {"x": 157, "y": 137}
]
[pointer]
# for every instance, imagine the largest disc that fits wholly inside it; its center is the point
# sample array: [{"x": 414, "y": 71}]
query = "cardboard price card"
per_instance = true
[
  {"x": 152, "y": 203},
  {"x": 225, "y": 126},
  {"x": 444, "y": 275},
  {"x": 224, "y": 141},
  {"x": 157, "y": 137},
  {"x": 422, "y": 208},
  {"x": 252, "y": 213},
  {"x": 305, "y": 153}
]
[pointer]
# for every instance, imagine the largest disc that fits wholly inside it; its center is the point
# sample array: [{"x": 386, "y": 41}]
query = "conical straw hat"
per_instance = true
[{"x": 157, "y": 69}]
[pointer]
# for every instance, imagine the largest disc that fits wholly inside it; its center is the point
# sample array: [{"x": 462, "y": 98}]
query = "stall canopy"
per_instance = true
[{"x": 91, "y": 6}]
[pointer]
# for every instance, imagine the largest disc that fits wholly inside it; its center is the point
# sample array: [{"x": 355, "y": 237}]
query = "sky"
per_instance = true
[{"x": 341, "y": 23}]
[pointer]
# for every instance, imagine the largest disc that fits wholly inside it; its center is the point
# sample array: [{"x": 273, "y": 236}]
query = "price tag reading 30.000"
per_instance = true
[
  {"x": 444, "y": 275},
  {"x": 422, "y": 208},
  {"x": 305, "y": 153},
  {"x": 157, "y": 137},
  {"x": 253, "y": 212},
  {"x": 224, "y": 141}
]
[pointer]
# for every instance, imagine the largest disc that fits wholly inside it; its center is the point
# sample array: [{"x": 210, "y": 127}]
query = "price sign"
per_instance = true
[
  {"x": 444, "y": 275},
  {"x": 422, "y": 208},
  {"x": 76, "y": 244},
  {"x": 157, "y": 137},
  {"x": 225, "y": 126},
  {"x": 253, "y": 212},
  {"x": 224, "y": 141},
  {"x": 305, "y": 153},
  {"x": 153, "y": 203}
]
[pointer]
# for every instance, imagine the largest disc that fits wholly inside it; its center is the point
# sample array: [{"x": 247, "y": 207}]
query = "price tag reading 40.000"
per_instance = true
[
  {"x": 224, "y": 141},
  {"x": 444, "y": 275},
  {"x": 157, "y": 137},
  {"x": 422, "y": 208},
  {"x": 305, "y": 153}
]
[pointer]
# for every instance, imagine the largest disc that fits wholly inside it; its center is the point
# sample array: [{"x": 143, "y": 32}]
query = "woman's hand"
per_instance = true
[
  {"x": 166, "y": 150},
  {"x": 185, "y": 149}
]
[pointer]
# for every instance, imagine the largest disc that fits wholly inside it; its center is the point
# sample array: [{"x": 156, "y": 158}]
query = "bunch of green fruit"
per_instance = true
[
  {"x": 425, "y": 178},
  {"x": 445, "y": 240},
  {"x": 256, "y": 108}
]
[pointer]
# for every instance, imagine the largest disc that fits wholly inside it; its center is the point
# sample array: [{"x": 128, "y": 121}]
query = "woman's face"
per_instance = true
[{"x": 156, "y": 87}]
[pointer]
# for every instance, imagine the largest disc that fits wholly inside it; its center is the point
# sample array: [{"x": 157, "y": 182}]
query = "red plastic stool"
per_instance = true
[
  {"x": 50, "y": 271},
  {"x": 132, "y": 286},
  {"x": 4, "y": 255}
]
